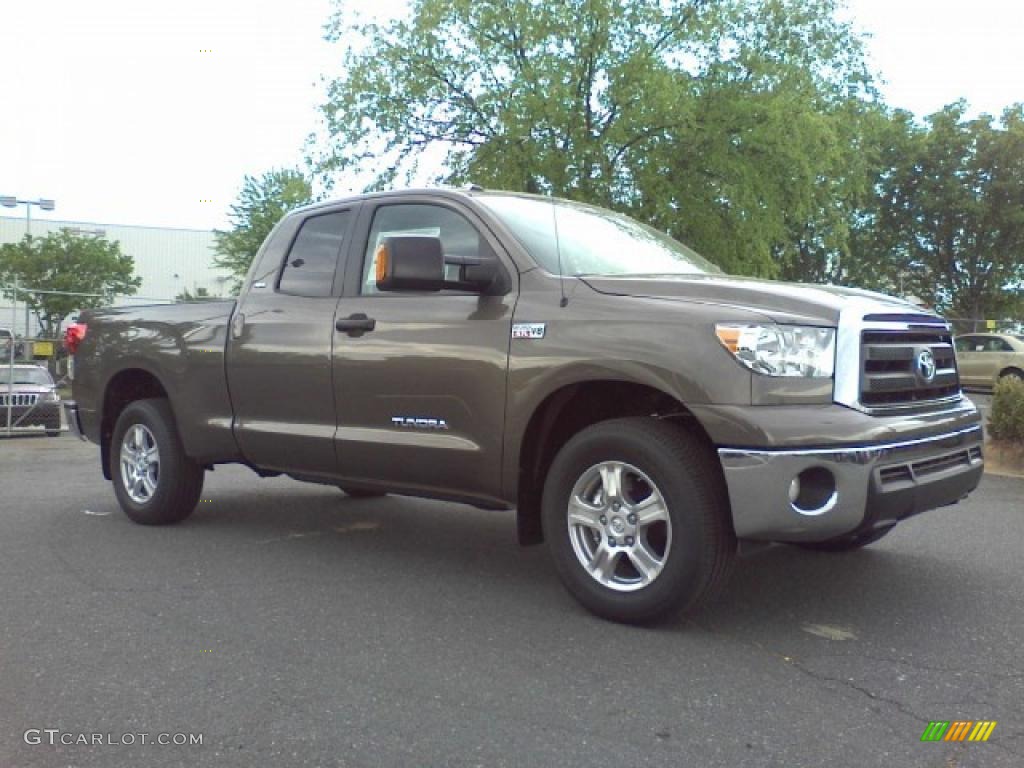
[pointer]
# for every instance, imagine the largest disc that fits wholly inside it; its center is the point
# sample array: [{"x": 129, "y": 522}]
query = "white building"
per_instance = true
[{"x": 169, "y": 261}]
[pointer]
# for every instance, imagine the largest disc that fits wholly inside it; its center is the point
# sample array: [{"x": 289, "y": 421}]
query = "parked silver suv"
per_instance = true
[{"x": 29, "y": 399}]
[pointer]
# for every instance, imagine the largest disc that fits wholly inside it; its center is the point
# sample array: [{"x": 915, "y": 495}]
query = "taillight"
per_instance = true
[{"x": 73, "y": 336}]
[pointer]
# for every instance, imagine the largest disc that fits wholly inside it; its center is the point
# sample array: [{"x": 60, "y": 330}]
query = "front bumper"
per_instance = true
[{"x": 847, "y": 489}]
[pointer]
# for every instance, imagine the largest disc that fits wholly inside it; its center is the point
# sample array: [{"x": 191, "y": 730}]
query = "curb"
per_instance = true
[
  {"x": 1004, "y": 460},
  {"x": 1004, "y": 473}
]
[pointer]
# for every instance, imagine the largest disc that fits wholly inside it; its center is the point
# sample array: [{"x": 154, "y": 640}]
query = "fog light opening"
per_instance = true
[{"x": 813, "y": 491}]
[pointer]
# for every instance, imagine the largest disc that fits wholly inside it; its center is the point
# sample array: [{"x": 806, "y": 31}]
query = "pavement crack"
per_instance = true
[
  {"x": 898, "y": 705},
  {"x": 847, "y": 683},
  {"x": 934, "y": 668}
]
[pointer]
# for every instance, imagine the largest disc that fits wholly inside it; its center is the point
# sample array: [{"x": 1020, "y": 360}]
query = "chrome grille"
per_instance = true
[
  {"x": 890, "y": 376},
  {"x": 18, "y": 399},
  {"x": 907, "y": 473}
]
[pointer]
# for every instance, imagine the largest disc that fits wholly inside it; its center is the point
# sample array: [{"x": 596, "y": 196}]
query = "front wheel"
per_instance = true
[
  {"x": 154, "y": 481},
  {"x": 636, "y": 517}
]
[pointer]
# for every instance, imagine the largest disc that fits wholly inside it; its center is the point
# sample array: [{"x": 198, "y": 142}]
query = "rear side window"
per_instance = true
[
  {"x": 995, "y": 344},
  {"x": 309, "y": 268}
]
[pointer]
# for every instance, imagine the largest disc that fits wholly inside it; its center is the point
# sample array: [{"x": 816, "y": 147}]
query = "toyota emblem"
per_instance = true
[{"x": 926, "y": 365}]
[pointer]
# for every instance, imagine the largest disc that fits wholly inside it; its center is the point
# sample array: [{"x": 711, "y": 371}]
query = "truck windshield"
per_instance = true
[
  {"x": 26, "y": 376},
  {"x": 593, "y": 241}
]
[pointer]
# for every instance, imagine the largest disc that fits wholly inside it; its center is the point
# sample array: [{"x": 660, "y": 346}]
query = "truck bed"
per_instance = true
[{"x": 182, "y": 345}]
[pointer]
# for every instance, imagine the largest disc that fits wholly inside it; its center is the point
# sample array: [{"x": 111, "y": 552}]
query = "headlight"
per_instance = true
[
  {"x": 50, "y": 396},
  {"x": 782, "y": 350}
]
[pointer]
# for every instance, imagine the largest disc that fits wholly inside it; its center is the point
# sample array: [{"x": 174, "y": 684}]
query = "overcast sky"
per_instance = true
[{"x": 114, "y": 108}]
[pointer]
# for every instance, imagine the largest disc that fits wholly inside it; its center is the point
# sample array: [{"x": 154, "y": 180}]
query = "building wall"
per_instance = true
[{"x": 168, "y": 260}]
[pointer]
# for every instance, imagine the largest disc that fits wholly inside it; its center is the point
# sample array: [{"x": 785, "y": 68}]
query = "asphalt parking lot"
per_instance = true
[{"x": 293, "y": 626}]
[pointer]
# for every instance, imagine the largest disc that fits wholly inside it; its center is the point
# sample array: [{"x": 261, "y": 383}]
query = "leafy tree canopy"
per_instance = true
[
  {"x": 260, "y": 205},
  {"x": 201, "y": 293},
  {"x": 67, "y": 263},
  {"x": 947, "y": 219},
  {"x": 728, "y": 124}
]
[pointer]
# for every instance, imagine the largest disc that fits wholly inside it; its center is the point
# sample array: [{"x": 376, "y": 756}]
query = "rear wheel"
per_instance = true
[
  {"x": 154, "y": 481},
  {"x": 636, "y": 518}
]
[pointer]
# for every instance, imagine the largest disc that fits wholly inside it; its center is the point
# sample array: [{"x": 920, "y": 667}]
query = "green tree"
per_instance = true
[
  {"x": 65, "y": 263},
  {"x": 947, "y": 220},
  {"x": 201, "y": 293},
  {"x": 714, "y": 121},
  {"x": 260, "y": 205}
]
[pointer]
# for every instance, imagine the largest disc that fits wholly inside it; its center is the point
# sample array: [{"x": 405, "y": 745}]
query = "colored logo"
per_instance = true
[
  {"x": 958, "y": 730},
  {"x": 926, "y": 365}
]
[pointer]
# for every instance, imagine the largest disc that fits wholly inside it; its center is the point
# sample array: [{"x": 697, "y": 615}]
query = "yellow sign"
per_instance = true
[
  {"x": 42, "y": 349},
  {"x": 990, "y": 325}
]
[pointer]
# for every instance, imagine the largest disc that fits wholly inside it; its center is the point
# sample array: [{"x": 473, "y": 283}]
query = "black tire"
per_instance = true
[
  {"x": 1012, "y": 373},
  {"x": 360, "y": 493},
  {"x": 684, "y": 470},
  {"x": 179, "y": 480},
  {"x": 847, "y": 543}
]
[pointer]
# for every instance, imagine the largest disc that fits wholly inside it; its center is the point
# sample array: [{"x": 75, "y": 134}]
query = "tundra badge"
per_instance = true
[{"x": 418, "y": 423}]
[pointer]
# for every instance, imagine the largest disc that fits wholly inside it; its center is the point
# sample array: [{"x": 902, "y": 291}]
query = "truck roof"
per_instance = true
[
  {"x": 433, "y": 191},
  {"x": 472, "y": 190}
]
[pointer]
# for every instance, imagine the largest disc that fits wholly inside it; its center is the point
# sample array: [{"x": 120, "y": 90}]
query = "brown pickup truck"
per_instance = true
[{"x": 645, "y": 414}]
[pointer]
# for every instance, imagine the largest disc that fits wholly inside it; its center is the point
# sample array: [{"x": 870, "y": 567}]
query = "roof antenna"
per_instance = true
[{"x": 558, "y": 252}]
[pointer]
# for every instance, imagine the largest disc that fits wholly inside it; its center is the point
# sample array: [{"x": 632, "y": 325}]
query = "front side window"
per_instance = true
[
  {"x": 965, "y": 344},
  {"x": 458, "y": 237},
  {"x": 310, "y": 265}
]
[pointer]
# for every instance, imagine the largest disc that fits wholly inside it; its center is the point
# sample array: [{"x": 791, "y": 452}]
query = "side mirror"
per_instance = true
[
  {"x": 410, "y": 263},
  {"x": 484, "y": 274}
]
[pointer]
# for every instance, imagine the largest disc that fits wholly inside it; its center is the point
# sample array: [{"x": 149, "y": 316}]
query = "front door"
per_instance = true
[
  {"x": 421, "y": 396},
  {"x": 279, "y": 353},
  {"x": 968, "y": 352}
]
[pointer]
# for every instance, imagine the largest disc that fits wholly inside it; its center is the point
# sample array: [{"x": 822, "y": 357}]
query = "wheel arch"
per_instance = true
[
  {"x": 1010, "y": 370},
  {"x": 564, "y": 412},
  {"x": 129, "y": 384}
]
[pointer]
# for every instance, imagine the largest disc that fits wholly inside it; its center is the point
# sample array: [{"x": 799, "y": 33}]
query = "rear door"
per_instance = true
[
  {"x": 279, "y": 353},
  {"x": 1002, "y": 357},
  {"x": 421, "y": 396}
]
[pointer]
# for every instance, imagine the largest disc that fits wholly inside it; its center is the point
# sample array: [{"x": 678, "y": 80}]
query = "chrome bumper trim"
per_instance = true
[
  {"x": 71, "y": 415},
  {"x": 758, "y": 482},
  {"x": 871, "y": 451}
]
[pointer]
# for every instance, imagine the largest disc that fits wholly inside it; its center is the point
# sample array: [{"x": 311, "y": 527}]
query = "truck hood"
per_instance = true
[{"x": 781, "y": 302}]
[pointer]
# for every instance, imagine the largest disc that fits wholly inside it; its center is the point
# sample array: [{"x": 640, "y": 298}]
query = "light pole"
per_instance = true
[{"x": 45, "y": 204}]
